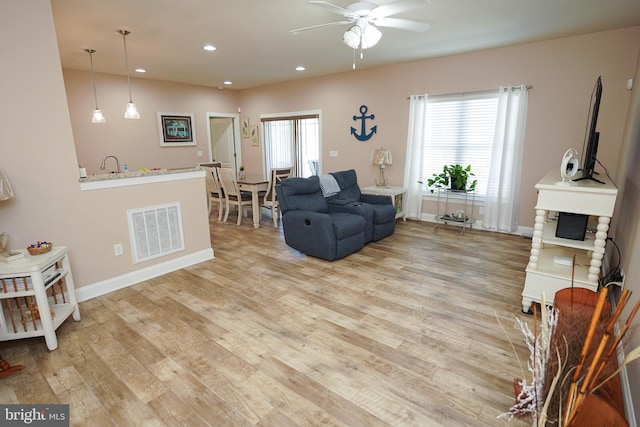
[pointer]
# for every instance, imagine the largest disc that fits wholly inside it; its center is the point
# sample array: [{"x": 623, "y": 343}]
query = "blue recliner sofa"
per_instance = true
[
  {"x": 310, "y": 227},
  {"x": 377, "y": 210}
]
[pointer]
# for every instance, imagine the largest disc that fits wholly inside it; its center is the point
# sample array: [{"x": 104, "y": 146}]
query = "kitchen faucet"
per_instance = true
[{"x": 104, "y": 161}]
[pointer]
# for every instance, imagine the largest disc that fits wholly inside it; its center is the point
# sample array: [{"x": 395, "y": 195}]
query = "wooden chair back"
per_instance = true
[
  {"x": 214, "y": 190},
  {"x": 232, "y": 193},
  {"x": 276, "y": 176}
]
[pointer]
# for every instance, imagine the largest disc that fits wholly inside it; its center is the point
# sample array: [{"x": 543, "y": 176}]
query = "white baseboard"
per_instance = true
[
  {"x": 85, "y": 293},
  {"x": 627, "y": 398},
  {"x": 521, "y": 231}
]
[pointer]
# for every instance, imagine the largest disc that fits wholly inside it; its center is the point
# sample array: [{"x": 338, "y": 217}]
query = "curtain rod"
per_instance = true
[{"x": 476, "y": 92}]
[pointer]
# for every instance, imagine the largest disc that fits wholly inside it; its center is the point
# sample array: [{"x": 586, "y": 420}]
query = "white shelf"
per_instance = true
[
  {"x": 44, "y": 282},
  {"x": 27, "y": 289},
  {"x": 60, "y": 313},
  {"x": 543, "y": 275},
  {"x": 547, "y": 267},
  {"x": 549, "y": 237}
]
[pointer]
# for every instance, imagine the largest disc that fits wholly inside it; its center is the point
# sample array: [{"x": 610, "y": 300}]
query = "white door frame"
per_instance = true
[
  {"x": 293, "y": 114},
  {"x": 237, "y": 142}
]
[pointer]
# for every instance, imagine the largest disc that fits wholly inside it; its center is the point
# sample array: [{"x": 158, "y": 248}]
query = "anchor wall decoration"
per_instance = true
[{"x": 364, "y": 136}]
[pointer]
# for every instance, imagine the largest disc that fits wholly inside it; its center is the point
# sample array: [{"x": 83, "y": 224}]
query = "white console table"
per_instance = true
[{"x": 581, "y": 197}]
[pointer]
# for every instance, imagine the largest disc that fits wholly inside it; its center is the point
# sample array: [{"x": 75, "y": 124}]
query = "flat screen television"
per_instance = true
[{"x": 590, "y": 145}]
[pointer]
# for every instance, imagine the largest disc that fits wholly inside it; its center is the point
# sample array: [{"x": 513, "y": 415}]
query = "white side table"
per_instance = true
[
  {"x": 398, "y": 197},
  {"x": 37, "y": 294}
]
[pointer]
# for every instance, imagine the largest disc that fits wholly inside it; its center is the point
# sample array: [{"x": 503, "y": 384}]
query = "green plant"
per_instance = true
[{"x": 453, "y": 177}]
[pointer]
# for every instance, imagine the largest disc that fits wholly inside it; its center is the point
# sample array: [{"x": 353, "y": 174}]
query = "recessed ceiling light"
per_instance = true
[
  {"x": 228, "y": 82},
  {"x": 209, "y": 47},
  {"x": 140, "y": 70},
  {"x": 300, "y": 68}
]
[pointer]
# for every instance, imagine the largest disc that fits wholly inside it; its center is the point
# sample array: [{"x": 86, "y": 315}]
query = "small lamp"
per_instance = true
[
  {"x": 132, "y": 111},
  {"x": 382, "y": 158}
]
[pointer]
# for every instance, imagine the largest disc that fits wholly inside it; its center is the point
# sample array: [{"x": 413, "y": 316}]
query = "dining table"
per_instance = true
[{"x": 254, "y": 183}]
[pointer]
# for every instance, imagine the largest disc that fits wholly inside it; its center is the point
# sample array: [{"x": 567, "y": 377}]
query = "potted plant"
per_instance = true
[{"x": 453, "y": 177}]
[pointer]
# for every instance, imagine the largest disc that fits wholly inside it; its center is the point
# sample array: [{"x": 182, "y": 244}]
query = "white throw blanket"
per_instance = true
[{"x": 329, "y": 185}]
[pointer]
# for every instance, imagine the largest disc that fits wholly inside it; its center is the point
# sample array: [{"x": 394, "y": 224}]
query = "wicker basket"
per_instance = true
[{"x": 40, "y": 248}]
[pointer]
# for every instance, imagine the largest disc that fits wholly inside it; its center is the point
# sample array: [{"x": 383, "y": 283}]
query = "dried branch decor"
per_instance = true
[{"x": 567, "y": 364}]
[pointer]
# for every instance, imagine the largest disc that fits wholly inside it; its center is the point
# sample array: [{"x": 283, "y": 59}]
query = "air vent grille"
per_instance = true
[{"x": 155, "y": 231}]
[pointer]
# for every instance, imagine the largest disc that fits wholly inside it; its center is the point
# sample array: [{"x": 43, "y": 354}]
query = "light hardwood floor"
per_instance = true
[{"x": 402, "y": 333}]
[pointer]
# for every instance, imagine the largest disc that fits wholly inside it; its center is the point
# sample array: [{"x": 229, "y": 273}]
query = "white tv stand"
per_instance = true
[{"x": 583, "y": 197}]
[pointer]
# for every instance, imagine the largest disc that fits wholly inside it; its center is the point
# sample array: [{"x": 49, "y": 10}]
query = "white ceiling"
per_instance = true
[{"x": 255, "y": 47}]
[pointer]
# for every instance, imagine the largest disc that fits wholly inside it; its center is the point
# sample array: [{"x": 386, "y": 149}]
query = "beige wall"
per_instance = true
[
  {"x": 39, "y": 157},
  {"x": 627, "y": 231},
  {"x": 137, "y": 142},
  {"x": 562, "y": 73}
]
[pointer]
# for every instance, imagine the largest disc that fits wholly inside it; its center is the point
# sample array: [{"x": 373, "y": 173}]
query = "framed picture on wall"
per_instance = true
[
  {"x": 176, "y": 129},
  {"x": 245, "y": 127},
  {"x": 253, "y": 134}
]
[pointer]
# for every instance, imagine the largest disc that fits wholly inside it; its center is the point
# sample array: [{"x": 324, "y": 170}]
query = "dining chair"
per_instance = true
[
  {"x": 270, "y": 200},
  {"x": 214, "y": 190},
  {"x": 232, "y": 193}
]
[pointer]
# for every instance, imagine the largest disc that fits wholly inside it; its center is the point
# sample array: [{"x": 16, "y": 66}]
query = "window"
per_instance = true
[
  {"x": 460, "y": 129},
  {"x": 293, "y": 141}
]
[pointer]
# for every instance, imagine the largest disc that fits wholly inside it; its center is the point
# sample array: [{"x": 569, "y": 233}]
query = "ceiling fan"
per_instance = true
[{"x": 365, "y": 17}]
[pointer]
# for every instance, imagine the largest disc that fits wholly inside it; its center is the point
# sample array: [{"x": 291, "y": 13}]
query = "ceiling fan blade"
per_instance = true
[
  {"x": 402, "y": 24},
  {"x": 336, "y": 9},
  {"x": 313, "y": 27},
  {"x": 397, "y": 7}
]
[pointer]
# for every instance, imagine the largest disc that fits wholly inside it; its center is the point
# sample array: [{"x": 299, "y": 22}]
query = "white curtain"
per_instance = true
[
  {"x": 279, "y": 143},
  {"x": 503, "y": 189},
  {"x": 415, "y": 142}
]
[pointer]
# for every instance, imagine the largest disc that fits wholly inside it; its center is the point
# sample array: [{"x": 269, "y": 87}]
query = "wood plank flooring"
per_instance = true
[{"x": 402, "y": 333}]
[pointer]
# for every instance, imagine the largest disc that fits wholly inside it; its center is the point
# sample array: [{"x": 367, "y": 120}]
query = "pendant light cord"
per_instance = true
[
  {"x": 126, "y": 59},
  {"x": 93, "y": 77}
]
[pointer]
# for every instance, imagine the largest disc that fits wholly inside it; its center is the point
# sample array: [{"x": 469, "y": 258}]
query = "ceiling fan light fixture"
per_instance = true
[
  {"x": 351, "y": 37},
  {"x": 362, "y": 35},
  {"x": 370, "y": 36}
]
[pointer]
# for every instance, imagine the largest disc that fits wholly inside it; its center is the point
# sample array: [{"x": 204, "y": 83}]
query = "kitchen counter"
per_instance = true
[{"x": 112, "y": 180}]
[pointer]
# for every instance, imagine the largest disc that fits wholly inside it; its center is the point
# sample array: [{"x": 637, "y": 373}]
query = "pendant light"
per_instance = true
[
  {"x": 132, "y": 111},
  {"x": 98, "y": 117}
]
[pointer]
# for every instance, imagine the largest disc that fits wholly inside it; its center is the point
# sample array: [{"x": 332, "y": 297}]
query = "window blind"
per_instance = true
[{"x": 460, "y": 129}]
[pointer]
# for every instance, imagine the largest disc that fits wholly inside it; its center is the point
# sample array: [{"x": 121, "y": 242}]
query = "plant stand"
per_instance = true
[{"x": 450, "y": 201}]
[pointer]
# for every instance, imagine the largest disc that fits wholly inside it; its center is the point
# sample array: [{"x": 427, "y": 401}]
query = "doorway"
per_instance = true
[
  {"x": 293, "y": 139},
  {"x": 224, "y": 139}
]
